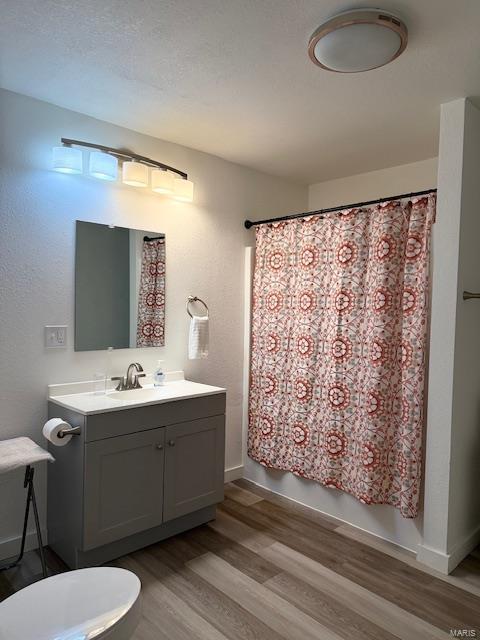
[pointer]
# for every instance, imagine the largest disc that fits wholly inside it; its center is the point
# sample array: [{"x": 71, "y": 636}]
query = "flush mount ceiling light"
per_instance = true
[
  {"x": 358, "y": 40},
  {"x": 103, "y": 164}
]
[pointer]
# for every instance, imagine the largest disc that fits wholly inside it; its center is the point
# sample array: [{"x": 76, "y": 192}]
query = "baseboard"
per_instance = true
[
  {"x": 433, "y": 558},
  {"x": 11, "y": 547},
  {"x": 463, "y": 548},
  {"x": 446, "y": 562},
  {"x": 234, "y": 473},
  {"x": 332, "y": 518}
]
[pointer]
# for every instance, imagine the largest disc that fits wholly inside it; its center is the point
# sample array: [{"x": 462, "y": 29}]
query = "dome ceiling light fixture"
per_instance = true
[{"x": 359, "y": 40}]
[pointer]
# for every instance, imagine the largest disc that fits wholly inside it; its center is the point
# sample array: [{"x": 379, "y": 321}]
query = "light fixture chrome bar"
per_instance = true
[{"x": 123, "y": 154}]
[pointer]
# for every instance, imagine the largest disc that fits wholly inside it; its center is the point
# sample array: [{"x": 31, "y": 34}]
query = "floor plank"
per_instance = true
[
  {"x": 326, "y": 609},
  {"x": 28, "y": 571},
  {"x": 239, "y": 532},
  {"x": 305, "y": 537},
  {"x": 270, "y": 569},
  {"x": 292, "y": 505},
  {"x": 165, "y": 610},
  {"x": 251, "y": 564},
  {"x": 274, "y": 611},
  {"x": 439, "y": 603},
  {"x": 380, "y": 611},
  {"x": 338, "y": 548},
  {"x": 387, "y": 577},
  {"x": 466, "y": 576},
  {"x": 218, "y": 609},
  {"x": 241, "y": 495}
]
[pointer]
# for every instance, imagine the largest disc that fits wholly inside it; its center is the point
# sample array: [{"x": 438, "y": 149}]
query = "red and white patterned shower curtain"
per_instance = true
[
  {"x": 339, "y": 330},
  {"x": 151, "y": 297}
]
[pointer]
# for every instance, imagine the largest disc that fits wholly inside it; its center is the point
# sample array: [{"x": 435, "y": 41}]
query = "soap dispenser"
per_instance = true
[{"x": 159, "y": 375}]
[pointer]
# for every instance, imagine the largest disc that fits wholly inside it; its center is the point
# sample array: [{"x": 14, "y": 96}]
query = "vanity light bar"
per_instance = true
[
  {"x": 135, "y": 172},
  {"x": 124, "y": 155}
]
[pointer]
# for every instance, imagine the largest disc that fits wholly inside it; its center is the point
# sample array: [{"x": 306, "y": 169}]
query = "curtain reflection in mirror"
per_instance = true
[{"x": 151, "y": 297}]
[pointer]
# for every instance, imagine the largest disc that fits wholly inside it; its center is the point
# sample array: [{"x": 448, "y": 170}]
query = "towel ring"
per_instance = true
[{"x": 195, "y": 299}]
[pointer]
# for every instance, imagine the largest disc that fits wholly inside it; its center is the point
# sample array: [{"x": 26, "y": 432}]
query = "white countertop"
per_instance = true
[{"x": 89, "y": 403}]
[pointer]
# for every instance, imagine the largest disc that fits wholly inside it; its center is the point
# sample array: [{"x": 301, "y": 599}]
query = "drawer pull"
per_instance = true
[
  {"x": 159, "y": 446},
  {"x": 171, "y": 443}
]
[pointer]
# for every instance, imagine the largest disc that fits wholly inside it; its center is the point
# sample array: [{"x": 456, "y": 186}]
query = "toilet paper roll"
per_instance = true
[{"x": 51, "y": 430}]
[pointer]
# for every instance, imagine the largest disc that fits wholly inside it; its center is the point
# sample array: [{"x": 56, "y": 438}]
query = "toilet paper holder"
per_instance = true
[{"x": 72, "y": 431}]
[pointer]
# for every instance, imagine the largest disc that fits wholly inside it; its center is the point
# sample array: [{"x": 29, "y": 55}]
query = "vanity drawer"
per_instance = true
[{"x": 117, "y": 423}]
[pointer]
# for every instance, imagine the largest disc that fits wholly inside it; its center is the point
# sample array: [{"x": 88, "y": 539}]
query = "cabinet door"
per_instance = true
[
  {"x": 194, "y": 465},
  {"x": 123, "y": 486}
]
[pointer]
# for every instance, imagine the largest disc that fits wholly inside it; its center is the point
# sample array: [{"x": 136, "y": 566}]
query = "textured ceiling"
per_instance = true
[{"x": 232, "y": 77}]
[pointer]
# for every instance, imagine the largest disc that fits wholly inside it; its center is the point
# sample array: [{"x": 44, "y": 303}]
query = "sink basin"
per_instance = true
[{"x": 139, "y": 395}]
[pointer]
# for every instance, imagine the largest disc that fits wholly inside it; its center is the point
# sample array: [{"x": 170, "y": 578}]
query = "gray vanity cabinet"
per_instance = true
[
  {"x": 193, "y": 477},
  {"x": 134, "y": 476},
  {"x": 123, "y": 486}
]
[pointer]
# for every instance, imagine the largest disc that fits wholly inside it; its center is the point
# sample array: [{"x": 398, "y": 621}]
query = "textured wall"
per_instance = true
[
  {"x": 384, "y": 183},
  {"x": 205, "y": 247}
]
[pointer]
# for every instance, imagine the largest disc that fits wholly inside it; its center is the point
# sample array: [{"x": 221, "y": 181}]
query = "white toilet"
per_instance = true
[{"x": 86, "y": 604}]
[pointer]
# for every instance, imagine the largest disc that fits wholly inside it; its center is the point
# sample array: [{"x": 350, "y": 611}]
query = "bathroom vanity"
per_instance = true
[{"x": 146, "y": 464}]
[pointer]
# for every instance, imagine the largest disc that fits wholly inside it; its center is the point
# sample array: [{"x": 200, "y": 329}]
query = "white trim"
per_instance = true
[
  {"x": 446, "y": 562},
  {"x": 433, "y": 558},
  {"x": 247, "y": 314},
  {"x": 463, "y": 548},
  {"x": 10, "y": 548},
  {"x": 234, "y": 473}
]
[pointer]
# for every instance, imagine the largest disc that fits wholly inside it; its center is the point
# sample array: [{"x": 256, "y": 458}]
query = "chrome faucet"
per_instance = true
[{"x": 130, "y": 381}]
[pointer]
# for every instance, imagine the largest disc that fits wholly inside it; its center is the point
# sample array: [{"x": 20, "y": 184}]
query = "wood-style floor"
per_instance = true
[{"x": 269, "y": 569}]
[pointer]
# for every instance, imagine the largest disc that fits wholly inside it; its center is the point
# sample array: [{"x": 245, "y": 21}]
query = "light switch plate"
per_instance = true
[{"x": 55, "y": 336}]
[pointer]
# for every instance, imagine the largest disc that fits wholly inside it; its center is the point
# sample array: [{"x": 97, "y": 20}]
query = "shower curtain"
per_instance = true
[
  {"x": 338, "y": 355},
  {"x": 151, "y": 297}
]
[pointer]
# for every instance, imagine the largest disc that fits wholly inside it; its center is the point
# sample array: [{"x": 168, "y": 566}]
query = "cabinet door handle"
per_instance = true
[
  {"x": 159, "y": 446},
  {"x": 171, "y": 443}
]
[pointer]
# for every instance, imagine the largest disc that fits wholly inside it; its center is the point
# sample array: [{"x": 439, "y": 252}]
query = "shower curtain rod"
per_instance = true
[
  {"x": 147, "y": 239},
  {"x": 249, "y": 223}
]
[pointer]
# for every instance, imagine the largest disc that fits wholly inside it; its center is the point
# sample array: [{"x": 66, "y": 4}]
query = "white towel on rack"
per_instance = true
[{"x": 198, "y": 338}]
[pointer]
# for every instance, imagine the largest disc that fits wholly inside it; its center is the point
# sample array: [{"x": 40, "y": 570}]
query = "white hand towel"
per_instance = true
[{"x": 198, "y": 338}]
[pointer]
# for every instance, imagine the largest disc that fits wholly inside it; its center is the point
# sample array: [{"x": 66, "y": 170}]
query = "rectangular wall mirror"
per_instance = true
[{"x": 119, "y": 287}]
